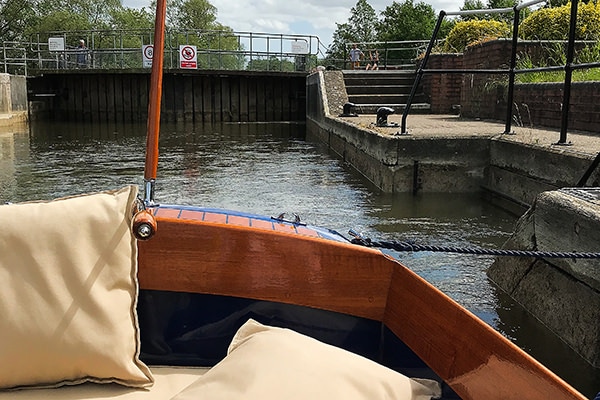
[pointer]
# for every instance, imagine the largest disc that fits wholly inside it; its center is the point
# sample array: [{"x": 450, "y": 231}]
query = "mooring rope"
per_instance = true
[{"x": 414, "y": 247}]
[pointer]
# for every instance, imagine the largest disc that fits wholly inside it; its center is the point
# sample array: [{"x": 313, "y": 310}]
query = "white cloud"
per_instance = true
[{"x": 314, "y": 17}]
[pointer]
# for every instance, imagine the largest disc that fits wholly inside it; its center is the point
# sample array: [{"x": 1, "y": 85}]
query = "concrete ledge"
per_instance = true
[
  {"x": 405, "y": 164},
  {"x": 563, "y": 293}
]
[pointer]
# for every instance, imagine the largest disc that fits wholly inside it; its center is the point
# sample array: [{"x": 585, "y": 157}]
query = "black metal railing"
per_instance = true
[{"x": 511, "y": 71}]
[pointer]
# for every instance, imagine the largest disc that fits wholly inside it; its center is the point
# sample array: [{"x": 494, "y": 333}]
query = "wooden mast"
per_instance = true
[{"x": 153, "y": 128}]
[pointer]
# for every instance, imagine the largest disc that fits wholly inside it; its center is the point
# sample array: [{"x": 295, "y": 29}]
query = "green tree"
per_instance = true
[
  {"x": 131, "y": 18},
  {"x": 190, "y": 14},
  {"x": 341, "y": 37},
  {"x": 196, "y": 14},
  {"x": 406, "y": 21},
  {"x": 363, "y": 21},
  {"x": 492, "y": 4},
  {"x": 499, "y": 4},
  {"x": 15, "y": 15},
  {"x": 270, "y": 64},
  {"x": 60, "y": 20},
  {"x": 470, "y": 5},
  {"x": 197, "y": 22},
  {"x": 360, "y": 28},
  {"x": 97, "y": 12},
  {"x": 77, "y": 15}
]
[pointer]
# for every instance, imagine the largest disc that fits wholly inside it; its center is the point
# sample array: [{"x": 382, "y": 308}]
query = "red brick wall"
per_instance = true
[
  {"x": 540, "y": 104},
  {"x": 443, "y": 90},
  {"x": 484, "y": 95}
]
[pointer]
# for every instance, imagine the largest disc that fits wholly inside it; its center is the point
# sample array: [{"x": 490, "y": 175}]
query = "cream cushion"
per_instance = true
[
  {"x": 168, "y": 382},
  {"x": 274, "y": 363},
  {"x": 69, "y": 290}
]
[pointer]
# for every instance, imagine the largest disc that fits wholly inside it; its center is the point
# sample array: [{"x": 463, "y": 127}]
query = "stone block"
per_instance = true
[{"x": 563, "y": 293}]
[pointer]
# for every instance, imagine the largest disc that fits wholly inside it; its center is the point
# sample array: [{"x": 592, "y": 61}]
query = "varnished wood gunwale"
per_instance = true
[
  {"x": 473, "y": 358},
  {"x": 215, "y": 258},
  {"x": 282, "y": 266}
]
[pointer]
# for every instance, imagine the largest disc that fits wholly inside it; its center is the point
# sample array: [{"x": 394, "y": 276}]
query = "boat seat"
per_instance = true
[{"x": 169, "y": 381}]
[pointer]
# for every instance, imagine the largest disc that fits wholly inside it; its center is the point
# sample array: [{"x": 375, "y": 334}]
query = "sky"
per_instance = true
[{"x": 309, "y": 17}]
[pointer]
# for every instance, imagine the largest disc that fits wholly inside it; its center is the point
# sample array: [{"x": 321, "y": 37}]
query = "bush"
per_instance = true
[
  {"x": 465, "y": 33},
  {"x": 553, "y": 23}
]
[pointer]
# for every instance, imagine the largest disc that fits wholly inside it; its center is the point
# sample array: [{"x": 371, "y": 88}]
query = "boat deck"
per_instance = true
[{"x": 229, "y": 217}]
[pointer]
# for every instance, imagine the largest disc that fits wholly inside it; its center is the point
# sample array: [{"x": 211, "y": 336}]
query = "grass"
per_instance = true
[
  {"x": 582, "y": 75},
  {"x": 555, "y": 55}
]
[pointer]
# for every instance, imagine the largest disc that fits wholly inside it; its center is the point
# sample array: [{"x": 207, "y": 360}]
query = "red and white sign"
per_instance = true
[
  {"x": 147, "y": 55},
  {"x": 187, "y": 57}
]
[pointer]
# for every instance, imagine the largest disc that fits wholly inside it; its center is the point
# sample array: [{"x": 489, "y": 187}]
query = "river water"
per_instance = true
[{"x": 269, "y": 169}]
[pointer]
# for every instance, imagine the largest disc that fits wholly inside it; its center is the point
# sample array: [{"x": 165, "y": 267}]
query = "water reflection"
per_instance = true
[{"x": 268, "y": 169}]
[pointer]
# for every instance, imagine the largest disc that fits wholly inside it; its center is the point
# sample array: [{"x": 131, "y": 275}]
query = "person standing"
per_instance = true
[
  {"x": 82, "y": 55},
  {"x": 355, "y": 55}
]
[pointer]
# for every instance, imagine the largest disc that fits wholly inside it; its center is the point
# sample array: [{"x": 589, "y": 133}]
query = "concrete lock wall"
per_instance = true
[
  {"x": 411, "y": 164},
  {"x": 563, "y": 293},
  {"x": 13, "y": 100},
  {"x": 5, "y": 98}
]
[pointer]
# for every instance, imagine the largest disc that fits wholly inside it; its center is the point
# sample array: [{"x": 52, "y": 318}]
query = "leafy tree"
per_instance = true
[
  {"x": 131, "y": 18},
  {"x": 363, "y": 21},
  {"x": 190, "y": 14},
  {"x": 197, "y": 20},
  {"x": 360, "y": 28},
  {"x": 407, "y": 21},
  {"x": 15, "y": 15},
  {"x": 77, "y": 15},
  {"x": 470, "y": 5},
  {"x": 196, "y": 14},
  {"x": 97, "y": 12},
  {"x": 509, "y": 16},
  {"x": 492, "y": 4},
  {"x": 341, "y": 37},
  {"x": 61, "y": 20},
  {"x": 270, "y": 64}
]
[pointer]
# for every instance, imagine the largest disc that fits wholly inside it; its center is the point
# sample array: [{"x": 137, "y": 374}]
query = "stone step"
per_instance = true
[
  {"x": 397, "y": 98},
  {"x": 378, "y": 89},
  {"x": 380, "y": 80},
  {"x": 370, "y": 90},
  {"x": 353, "y": 78},
  {"x": 415, "y": 108}
]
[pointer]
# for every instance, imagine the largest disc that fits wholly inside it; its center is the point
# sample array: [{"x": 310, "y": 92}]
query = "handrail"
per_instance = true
[
  {"x": 14, "y": 55},
  {"x": 569, "y": 67},
  {"x": 564, "y": 122},
  {"x": 122, "y": 49},
  {"x": 387, "y": 47}
]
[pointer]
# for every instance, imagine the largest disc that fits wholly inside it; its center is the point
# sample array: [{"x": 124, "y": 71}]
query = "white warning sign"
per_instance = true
[
  {"x": 147, "y": 55},
  {"x": 187, "y": 57}
]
